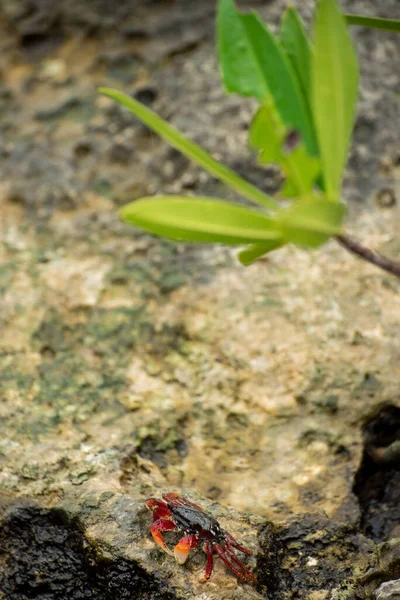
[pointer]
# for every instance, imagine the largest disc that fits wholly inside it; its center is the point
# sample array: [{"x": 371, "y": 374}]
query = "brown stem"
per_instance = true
[{"x": 391, "y": 266}]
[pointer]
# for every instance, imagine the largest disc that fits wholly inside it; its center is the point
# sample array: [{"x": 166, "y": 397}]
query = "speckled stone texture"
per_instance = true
[{"x": 130, "y": 366}]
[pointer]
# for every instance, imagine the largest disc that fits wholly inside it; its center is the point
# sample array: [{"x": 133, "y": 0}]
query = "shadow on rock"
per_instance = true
[{"x": 43, "y": 555}]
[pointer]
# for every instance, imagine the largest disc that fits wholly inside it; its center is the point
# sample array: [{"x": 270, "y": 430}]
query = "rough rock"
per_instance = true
[
  {"x": 390, "y": 590},
  {"x": 130, "y": 366}
]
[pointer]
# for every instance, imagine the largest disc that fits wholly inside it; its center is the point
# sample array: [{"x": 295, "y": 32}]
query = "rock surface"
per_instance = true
[
  {"x": 130, "y": 366},
  {"x": 390, "y": 590}
]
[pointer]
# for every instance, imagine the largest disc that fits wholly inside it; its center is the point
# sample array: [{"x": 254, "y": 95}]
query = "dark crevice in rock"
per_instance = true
[
  {"x": 311, "y": 554},
  {"x": 44, "y": 556},
  {"x": 377, "y": 482},
  {"x": 269, "y": 572}
]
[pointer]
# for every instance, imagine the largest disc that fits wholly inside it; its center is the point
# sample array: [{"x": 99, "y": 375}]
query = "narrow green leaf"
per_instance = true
[
  {"x": 374, "y": 22},
  {"x": 190, "y": 149},
  {"x": 250, "y": 254},
  {"x": 282, "y": 82},
  {"x": 253, "y": 64},
  {"x": 334, "y": 75},
  {"x": 197, "y": 219},
  {"x": 294, "y": 41},
  {"x": 311, "y": 221}
]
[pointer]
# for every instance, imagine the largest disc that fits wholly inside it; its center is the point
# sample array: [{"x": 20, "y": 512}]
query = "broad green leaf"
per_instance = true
[
  {"x": 200, "y": 220},
  {"x": 253, "y": 64},
  {"x": 374, "y": 22},
  {"x": 268, "y": 135},
  {"x": 311, "y": 221},
  {"x": 295, "y": 43},
  {"x": 242, "y": 71},
  {"x": 190, "y": 149},
  {"x": 334, "y": 76},
  {"x": 250, "y": 254}
]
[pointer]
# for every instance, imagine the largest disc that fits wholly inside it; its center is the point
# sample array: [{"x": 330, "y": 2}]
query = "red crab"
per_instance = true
[{"x": 179, "y": 514}]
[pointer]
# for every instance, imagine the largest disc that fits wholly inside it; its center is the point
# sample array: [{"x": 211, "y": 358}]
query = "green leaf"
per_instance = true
[
  {"x": 242, "y": 70},
  {"x": 301, "y": 172},
  {"x": 200, "y": 220},
  {"x": 253, "y": 64},
  {"x": 374, "y": 22},
  {"x": 250, "y": 254},
  {"x": 295, "y": 43},
  {"x": 190, "y": 149},
  {"x": 334, "y": 75},
  {"x": 267, "y": 135},
  {"x": 311, "y": 221}
]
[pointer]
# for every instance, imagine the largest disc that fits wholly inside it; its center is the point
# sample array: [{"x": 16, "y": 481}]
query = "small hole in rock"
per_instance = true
[
  {"x": 146, "y": 94},
  {"x": 386, "y": 198},
  {"x": 47, "y": 352},
  {"x": 37, "y": 45}
]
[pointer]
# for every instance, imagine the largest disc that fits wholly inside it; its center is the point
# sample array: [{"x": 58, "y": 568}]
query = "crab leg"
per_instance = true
[
  {"x": 235, "y": 559},
  {"x": 183, "y": 547},
  {"x": 209, "y": 565},
  {"x": 245, "y": 575},
  {"x": 156, "y": 529},
  {"x": 231, "y": 540}
]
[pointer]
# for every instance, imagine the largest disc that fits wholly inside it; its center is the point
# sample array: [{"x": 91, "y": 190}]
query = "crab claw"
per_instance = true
[
  {"x": 183, "y": 547},
  {"x": 152, "y": 503},
  {"x": 156, "y": 529}
]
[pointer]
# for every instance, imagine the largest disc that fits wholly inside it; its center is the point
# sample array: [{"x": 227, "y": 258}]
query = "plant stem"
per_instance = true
[{"x": 352, "y": 245}]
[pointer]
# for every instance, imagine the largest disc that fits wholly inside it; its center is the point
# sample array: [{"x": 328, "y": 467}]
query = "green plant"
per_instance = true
[{"x": 307, "y": 92}]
